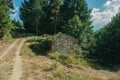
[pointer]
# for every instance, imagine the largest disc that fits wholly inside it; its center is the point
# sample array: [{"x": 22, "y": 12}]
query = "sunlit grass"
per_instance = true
[
  {"x": 50, "y": 65},
  {"x": 68, "y": 58},
  {"x": 26, "y": 52}
]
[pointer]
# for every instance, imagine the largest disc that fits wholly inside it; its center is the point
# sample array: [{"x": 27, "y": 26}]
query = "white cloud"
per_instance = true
[
  {"x": 101, "y": 16},
  {"x": 107, "y": 3}
]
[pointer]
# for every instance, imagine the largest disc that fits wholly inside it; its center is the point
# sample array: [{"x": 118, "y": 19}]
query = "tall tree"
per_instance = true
[
  {"x": 53, "y": 15},
  {"x": 67, "y": 12},
  {"x": 74, "y": 27},
  {"x": 5, "y": 22},
  {"x": 25, "y": 15},
  {"x": 17, "y": 25},
  {"x": 9, "y": 3},
  {"x": 108, "y": 41},
  {"x": 37, "y": 9},
  {"x": 45, "y": 14},
  {"x": 83, "y": 32},
  {"x": 31, "y": 12},
  {"x": 75, "y": 7}
]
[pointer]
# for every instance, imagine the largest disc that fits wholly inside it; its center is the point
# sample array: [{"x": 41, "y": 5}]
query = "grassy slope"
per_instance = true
[{"x": 39, "y": 67}]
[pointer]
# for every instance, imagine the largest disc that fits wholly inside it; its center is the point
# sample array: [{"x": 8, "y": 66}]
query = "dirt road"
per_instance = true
[
  {"x": 11, "y": 62},
  {"x": 7, "y": 50},
  {"x": 17, "y": 68},
  {"x": 13, "y": 65}
]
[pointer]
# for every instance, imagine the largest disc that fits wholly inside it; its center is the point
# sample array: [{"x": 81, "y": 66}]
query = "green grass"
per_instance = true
[
  {"x": 31, "y": 38},
  {"x": 57, "y": 72},
  {"x": 26, "y": 52},
  {"x": 37, "y": 38},
  {"x": 59, "y": 75},
  {"x": 52, "y": 66},
  {"x": 68, "y": 58}
]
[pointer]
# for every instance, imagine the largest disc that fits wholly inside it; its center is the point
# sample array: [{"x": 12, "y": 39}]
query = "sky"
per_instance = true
[
  {"x": 17, "y": 4},
  {"x": 101, "y": 14}
]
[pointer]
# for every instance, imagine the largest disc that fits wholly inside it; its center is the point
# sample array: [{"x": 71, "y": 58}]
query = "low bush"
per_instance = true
[
  {"x": 31, "y": 39},
  {"x": 40, "y": 48}
]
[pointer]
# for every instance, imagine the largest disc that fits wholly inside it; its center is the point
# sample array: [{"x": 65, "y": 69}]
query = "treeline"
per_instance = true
[
  {"x": 70, "y": 17},
  {"x": 50, "y": 16},
  {"x": 108, "y": 42}
]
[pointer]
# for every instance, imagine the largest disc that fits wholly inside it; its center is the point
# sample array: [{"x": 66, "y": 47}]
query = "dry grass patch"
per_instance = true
[
  {"x": 68, "y": 59},
  {"x": 37, "y": 67},
  {"x": 34, "y": 65}
]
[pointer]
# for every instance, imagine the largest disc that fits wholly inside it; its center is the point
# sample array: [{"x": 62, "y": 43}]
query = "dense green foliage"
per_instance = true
[
  {"x": 18, "y": 29},
  {"x": 18, "y": 25},
  {"x": 40, "y": 16},
  {"x": 84, "y": 34},
  {"x": 5, "y": 22},
  {"x": 51, "y": 16},
  {"x": 40, "y": 45},
  {"x": 77, "y": 23},
  {"x": 108, "y": 41},
  {"x": 48, "y": 16},
  {"x": 31, "y": 15},
  {"x": 9, "y": 3}
]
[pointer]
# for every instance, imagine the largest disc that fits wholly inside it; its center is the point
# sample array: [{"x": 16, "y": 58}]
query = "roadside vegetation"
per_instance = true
[
  {"x": 54, "y": 66},
  {"x": 61, "y": 41}
]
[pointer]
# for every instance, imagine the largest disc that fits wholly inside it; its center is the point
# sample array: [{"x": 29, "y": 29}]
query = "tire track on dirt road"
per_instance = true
[
  {"x": 8, "y": 50},
  {"x": 17, "y": 67}
]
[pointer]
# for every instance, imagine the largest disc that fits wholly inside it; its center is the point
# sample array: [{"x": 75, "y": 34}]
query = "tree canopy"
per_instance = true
[
  {"x": 5, "y": 22},
  {"x": 108, "y": 41},
  {"x": 71, "y": 17}
]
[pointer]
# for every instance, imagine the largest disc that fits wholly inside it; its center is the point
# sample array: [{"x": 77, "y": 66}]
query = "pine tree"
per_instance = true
[
  {"x": 108, "y": 42},
  {"x": 25, "y": 15},
  {"x": 74, "y": 27},
  {"x": 45, "y": 14},
  {"x": 70, "y": 8},
  {"x": 9, "y": 3},
  {"x": 83, "y": 32},
  {"x": 54, "y": 13},
  {"x": 17, "y": 25},
  {"x": 30, "y": 14},
  {"x": 67, "y": 12},
  {"x": 5, "y": 22},
  {"x": 37, "y": 9}
]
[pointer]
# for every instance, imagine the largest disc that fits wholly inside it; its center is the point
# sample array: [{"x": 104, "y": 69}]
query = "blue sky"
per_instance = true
[
  {"x": 102, "y": 11},
  {"x": 17, "y": 4},
  {"x": 95, "y": 3},
  {"x": 91, "y": 4}
]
